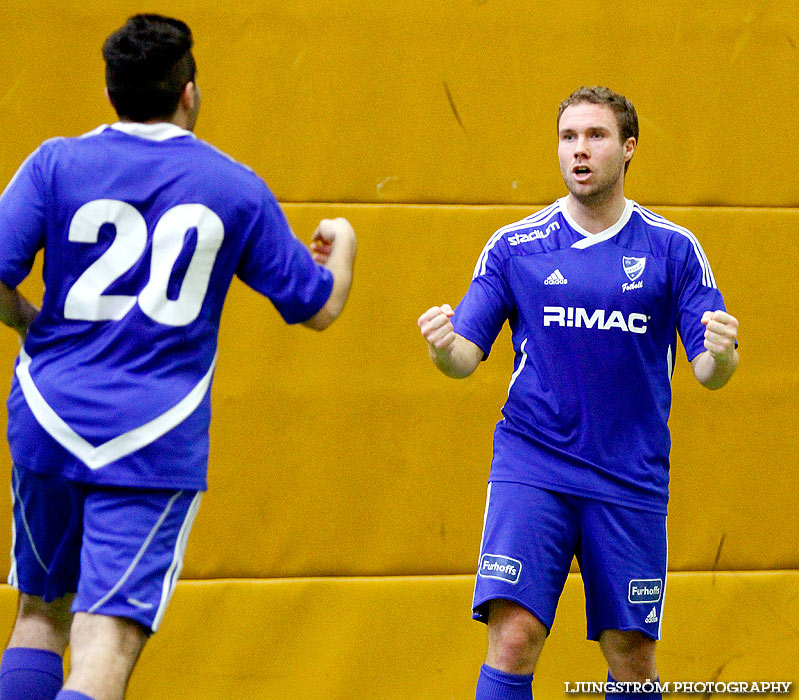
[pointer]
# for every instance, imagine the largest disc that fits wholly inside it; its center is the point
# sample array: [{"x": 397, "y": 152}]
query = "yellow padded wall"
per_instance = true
[
  {"x": 413, "y": 639},
  {"x": 351, "y": 443},
  {"x": 453, "y": 101}
]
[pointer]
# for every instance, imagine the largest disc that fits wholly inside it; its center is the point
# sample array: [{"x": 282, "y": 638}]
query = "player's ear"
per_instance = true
[
  {"x": 188, "y": 96},
  {"x": 629, "y": 148}
]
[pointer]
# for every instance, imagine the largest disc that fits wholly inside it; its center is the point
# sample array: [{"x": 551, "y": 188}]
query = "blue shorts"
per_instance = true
[
  {"x": 119, "y": 549},
  {"x": 530, "y": 537}
]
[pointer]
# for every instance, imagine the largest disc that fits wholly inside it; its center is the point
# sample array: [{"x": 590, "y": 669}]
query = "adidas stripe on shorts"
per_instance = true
[{"x": 119, "y": 549}]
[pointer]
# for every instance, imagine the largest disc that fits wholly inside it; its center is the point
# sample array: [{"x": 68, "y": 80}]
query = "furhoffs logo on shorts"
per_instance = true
[
  {"x": 646, "y": 590},
  {"x": 499, "y": 567}
]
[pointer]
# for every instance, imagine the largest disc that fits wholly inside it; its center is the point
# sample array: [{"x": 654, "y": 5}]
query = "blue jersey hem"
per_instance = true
[
  {"x": 77, "y": 476},
  {"x": 591, "y": 494}
]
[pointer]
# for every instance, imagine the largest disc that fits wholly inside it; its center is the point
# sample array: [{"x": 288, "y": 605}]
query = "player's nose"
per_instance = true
[{"x": 581, "y": 148}]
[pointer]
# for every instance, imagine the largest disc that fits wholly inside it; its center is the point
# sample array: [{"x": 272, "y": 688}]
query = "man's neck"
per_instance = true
[{"x": 596, "y": 217}]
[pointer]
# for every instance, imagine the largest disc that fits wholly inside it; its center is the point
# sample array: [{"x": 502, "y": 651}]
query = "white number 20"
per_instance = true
[{"x": 85, "y": 300}]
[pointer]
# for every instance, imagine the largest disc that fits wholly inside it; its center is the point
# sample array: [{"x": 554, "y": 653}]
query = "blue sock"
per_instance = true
[
  {"x": 30, "y": 674},
  {"x": 654, "y": 694},
  {"x": 498, "y": 685},
  {"x": 72, "y": 695}
]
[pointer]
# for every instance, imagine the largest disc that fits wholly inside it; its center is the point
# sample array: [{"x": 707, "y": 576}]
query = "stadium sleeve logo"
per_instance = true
[
  {"x": 534, "y": 235},
  {"x": 499, "y": 567}
]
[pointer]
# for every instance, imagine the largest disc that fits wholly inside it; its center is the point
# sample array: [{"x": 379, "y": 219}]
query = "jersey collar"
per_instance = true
[
  {"x": 594, "y": 238},
  {"x": 160, "y": 131}
]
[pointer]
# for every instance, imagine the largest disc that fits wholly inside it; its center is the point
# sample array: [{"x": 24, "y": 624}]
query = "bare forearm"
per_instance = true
[
  {"x": 713, "y": 373},
  {"x": 453, "y": 354},
  {"x": 341, "y": 264},
  {"x": 339, "y": 258},
  {"x": 459, "y": 360},
  {"x": 15, "y": 310},
  {"x": 714, "y": 367}
]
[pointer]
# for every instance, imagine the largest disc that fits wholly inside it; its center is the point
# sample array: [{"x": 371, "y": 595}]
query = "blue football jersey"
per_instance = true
[
  {"x": 594, "y": 321},
  {"x": 143, "y": 228}
]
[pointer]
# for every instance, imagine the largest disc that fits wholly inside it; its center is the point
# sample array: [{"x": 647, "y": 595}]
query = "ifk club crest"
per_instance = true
[{"x": 633, "y": 267}]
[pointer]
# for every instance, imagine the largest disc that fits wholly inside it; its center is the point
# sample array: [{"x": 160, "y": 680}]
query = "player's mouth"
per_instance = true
[{"x": 581, "y": 172}]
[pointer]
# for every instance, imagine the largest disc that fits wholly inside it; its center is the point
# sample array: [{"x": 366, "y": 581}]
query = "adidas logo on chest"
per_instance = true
[{"x": 556, "y": 278}]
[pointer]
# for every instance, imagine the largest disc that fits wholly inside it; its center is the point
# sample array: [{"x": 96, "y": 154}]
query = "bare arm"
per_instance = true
[
  {"x": 714, "y": 367},
  {"x": 16, "y": 311},
  {"x": 333, "y": 245},
  {"x": 453, "y": 354}
]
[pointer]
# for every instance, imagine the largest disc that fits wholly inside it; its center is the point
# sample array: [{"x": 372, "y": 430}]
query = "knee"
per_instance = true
[
  {"x": 515, "y": 637},
  {"x": 42, "y": 625},
  {"x": 56, "y": 614},
  {"x": 630, "y": 655},
  {"x": 103, "y": 652}
]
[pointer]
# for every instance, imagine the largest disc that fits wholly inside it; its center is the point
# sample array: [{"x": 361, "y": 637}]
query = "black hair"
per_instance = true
[{"x": 148, "y": 62}]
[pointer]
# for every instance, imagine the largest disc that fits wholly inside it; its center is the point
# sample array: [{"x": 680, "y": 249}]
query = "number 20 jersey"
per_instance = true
[
  {"x": 143, "y": 229},
  {"x": 594, "y": 321}
]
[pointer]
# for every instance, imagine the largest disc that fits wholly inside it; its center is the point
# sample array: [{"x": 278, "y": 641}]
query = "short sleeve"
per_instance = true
[
  {"x": 696, "y": 293},
  {"x": 22, "y": 221},
  {"x": 487, "y": 303},
  {"x": 276, "y": 264}
]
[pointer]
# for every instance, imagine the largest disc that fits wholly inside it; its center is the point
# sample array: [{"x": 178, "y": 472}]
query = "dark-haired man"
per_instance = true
[
  {"x": 144, "y": 227},
  {"x": 595, "y": 289}
]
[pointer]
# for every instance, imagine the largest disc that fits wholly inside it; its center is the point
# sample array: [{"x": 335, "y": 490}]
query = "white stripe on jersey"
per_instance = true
[
  {"x": 670, "y": 363},
  {"x": 655, "y": 220},
  {"x": 171, "y": 578},
  {"x": 521, "y": 364},
  {"x": 533, "y": 219},
  {"x": 120, "y": 446}
]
